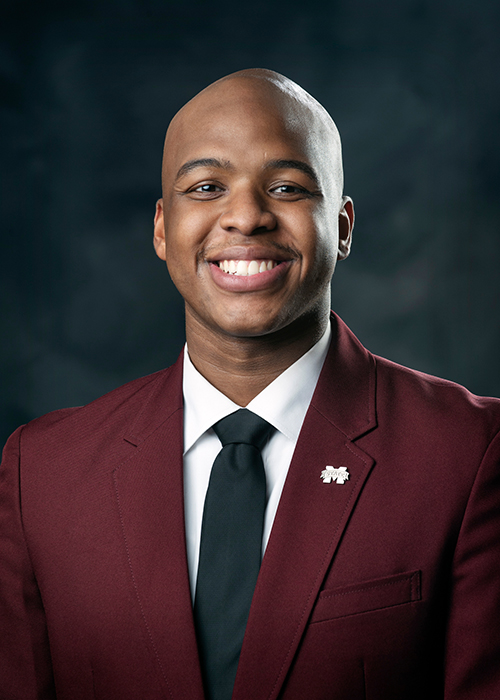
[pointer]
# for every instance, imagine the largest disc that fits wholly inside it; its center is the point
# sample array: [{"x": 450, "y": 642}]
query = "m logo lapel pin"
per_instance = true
[{"x": 338, "y": 476}]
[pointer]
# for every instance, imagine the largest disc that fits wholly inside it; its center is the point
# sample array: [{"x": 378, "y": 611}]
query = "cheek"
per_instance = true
[
  {"x": 319, "y": 247},
  {"x": 328, "y": 234},
  {"x": 187, "y": 232},
  {"x": 328, "y": 248},
  {"x": 179, "y": 260},
  {"x": 180, "y": 239}
]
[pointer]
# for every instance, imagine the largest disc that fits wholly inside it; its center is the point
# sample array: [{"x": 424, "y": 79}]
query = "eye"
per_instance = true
[
  {"x": 208, "y": 188},
  {"x": 290, "y": 190},
  {"x": 205, "y": 190}
]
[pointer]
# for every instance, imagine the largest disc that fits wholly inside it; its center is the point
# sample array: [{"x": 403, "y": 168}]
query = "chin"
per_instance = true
[
  {"x": 247, "y": 330},
  {"x": 247, "y": 325}
]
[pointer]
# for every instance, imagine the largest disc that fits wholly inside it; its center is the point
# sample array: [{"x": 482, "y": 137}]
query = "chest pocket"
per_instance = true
[{"x": 367, "y": 596}]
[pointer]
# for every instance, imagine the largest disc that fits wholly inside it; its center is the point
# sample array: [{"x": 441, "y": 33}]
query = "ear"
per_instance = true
[
  {"x": 346, "y": 224},
  {"x": 159, "y": 231}
]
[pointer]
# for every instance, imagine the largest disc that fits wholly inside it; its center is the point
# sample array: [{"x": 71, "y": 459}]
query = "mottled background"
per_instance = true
[{"x": 87, "y": 90}]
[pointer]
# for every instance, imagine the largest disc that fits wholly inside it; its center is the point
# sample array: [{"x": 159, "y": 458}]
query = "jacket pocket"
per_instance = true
[{"x": 367, "y": 596}]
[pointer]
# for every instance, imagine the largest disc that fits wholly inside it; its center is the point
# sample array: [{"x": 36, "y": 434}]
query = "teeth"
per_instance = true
[
  {"x": 246, "y": 267},
  {"x": 242, "y": 268}
]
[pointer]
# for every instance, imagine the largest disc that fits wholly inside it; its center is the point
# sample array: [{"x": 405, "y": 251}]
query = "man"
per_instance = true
[{"x": 381, "y": 523}]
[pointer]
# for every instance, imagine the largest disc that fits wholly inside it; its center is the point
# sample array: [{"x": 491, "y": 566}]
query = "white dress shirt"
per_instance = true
[{"x": 283, "y": 403}]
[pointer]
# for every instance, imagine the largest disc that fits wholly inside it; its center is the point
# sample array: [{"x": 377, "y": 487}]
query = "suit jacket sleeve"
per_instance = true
[
  {"x": 25, "y": 667},
  {"x": 472, "y": 654}
]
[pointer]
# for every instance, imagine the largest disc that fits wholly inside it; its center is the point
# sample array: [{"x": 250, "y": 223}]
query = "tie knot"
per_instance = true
[{"x": 243, "y": 426}]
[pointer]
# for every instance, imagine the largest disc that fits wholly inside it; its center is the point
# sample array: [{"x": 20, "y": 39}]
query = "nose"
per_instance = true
[{"x": 247, "y": 212}]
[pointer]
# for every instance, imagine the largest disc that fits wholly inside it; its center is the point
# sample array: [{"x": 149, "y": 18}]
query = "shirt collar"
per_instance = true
[{"x": 283, "y": 403}]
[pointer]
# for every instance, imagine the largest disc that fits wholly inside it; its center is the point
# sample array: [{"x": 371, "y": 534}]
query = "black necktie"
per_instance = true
[{"x": 230, "y": 549}]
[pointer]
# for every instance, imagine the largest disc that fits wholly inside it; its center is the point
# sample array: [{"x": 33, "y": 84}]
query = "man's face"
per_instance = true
[{"x": 248, "y": 224}]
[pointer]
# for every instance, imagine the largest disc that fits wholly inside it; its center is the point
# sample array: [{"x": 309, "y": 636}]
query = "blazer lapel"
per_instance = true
[
  {"x": 311, "y": 516},
  {"x": 149, "y": 495}
]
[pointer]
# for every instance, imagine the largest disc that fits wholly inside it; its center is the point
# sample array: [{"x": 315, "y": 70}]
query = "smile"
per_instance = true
[
  {"x": 246, "y": 268},
  {"x": 251, "y": 275}
]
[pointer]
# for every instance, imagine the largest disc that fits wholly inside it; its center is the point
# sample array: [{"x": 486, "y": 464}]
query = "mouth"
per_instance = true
[
  {"x": 246, "y": 268},
  {"x": 250, "y": 268},
  {"x": 248, "y": 275}
]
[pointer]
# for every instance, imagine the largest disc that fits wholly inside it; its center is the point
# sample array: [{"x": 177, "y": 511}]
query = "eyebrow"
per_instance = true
[
  {"x": 281, "y": 164},
  {"x": 202, "y": 163},
  {"x": 295, "y": 165}
]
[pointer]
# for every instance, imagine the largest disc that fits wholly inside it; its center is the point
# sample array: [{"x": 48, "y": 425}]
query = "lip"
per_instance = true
[
  {"x": 253, "y": 252},
  {"x": 252, "y": 283}
]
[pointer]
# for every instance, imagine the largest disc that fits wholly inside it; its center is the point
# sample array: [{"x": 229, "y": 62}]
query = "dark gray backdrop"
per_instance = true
[{"x": 87, "y": 90}]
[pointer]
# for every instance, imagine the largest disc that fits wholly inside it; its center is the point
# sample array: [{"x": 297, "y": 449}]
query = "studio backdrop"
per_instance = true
[{"x": 87, "y": 91}]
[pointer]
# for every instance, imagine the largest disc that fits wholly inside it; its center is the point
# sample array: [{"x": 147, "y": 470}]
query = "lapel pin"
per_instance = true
[{"x": 339, "y": 476}]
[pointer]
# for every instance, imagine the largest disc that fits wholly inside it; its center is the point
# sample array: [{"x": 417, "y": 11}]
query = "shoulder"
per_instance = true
[
  {"x": 437, "y": 404},
  {"x": 106, "y": 417},
  {"x": 361, "y": 391}
]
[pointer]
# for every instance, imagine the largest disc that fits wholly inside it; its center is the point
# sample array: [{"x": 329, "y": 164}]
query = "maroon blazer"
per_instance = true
[{"x": 384, "y": 587}]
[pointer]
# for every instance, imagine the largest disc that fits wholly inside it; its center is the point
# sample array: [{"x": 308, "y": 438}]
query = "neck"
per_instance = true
[{"x": 241, "y": 367}]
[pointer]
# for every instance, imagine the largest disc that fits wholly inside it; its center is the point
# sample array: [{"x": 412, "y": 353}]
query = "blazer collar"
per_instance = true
[
  {"x": 345, "y": 393},
  {"x": 163, "y": 401}
]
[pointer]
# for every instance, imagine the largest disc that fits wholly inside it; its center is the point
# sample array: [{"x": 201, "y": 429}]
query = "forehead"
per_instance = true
[{"x": 248, "y": 121}]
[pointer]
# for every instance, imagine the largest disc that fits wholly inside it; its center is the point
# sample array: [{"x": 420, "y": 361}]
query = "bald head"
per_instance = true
[{"x": 260, "y": 94}]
